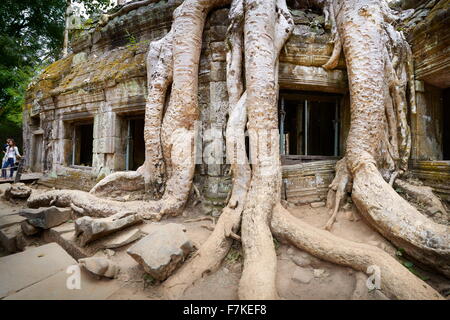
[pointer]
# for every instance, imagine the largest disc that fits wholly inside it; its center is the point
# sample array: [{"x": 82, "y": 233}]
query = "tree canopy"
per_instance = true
[{"x": 31, "y": 36}]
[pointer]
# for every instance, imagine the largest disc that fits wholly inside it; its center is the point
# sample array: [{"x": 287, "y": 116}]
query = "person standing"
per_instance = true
[{"x": 10, "y": 158}]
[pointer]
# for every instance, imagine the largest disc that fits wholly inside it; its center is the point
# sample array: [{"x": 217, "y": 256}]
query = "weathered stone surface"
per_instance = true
[
  {"x": 100, "y": 266},
  {"x": 8, "y": 237},
  {"x": 17, "y": 191},
  {"x": 320, "y": 273},
  {"x": 55, "y": 288},
  {"x": 162, "y": 251},
  {"x": 28, "y": 229},
  {"x": 68, "y": 241},
  {"x": 302, "y": 275},
  {"x": 301, "y": 261},
  {"x": 23, "y": 269},
  {"x": 46, "y": 218},
  {"x": 9, "y": 220},
  {"x": 88, "y": 229},
  {"x": 4, "y": 187},
  {"x": 122, "y": 238}
]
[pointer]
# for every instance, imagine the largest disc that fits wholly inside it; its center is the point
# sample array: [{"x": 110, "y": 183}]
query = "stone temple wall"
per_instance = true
[{"x": 103, "y": 82}]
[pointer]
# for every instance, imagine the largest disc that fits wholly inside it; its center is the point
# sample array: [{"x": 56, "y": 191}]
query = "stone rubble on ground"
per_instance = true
[
  {"x": 301, "y": 261},
  {"x": 88, "y": 229},
  {"x": 17, "y": 191},
  {"x": 123, "y": 238},
  {"x": 4, "y": 187},
  {"x": 8, "y": 238},
  {"x": 100, "y": 266},
  {"x": 46, "y": 217},
  {"x": 163, "y": 250},
  {"x": 28, "y": 229},
  {"x": 320, "y": 273}
]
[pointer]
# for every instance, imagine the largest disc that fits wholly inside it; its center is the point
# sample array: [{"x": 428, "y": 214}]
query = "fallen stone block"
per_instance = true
[
  {"x": 9, "y": 220},
  {"x": 21, "y": 270},
  {"x": 162, "y": 251},
  {"x": 100, "y": 266},
  {"x": 121, "y": 239},
  {"x": 88, "y": 229},
  {"x": 46, "y": 218},
  {"x": 17, "y": 191},
  {"x": 8, "y": 237},
  {"x": 28, "y": 229}
]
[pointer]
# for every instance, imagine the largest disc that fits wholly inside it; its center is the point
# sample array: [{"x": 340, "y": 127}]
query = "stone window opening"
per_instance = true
[
  {"x": 82, "y": 144},
  {"x": 446, "y": 124},
  {"x": 309, "y": 126},
  {"x": 135, "y": 144}
]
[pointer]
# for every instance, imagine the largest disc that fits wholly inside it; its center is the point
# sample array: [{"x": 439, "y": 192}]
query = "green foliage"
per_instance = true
[
  {"x": 31, "y": 37},
  {"x": 94, "y": 7},
  {"x": 400, "y": 253},
  {"x": 234, "y": 255}
]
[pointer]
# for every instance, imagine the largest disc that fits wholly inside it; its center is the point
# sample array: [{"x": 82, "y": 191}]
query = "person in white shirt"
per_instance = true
[{"x": 10, "y": 158}]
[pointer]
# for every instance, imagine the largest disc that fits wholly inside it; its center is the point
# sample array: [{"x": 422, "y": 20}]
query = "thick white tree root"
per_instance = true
[
  {"x": 338, "y": 190},
  {"x": 86, "y": 204},
  {"x": 369, "y": 44},
  {"x": 267, "y": 26},
  {"x": 390, "y": 214},
  {"x": 397, "y": 282},
  {"x": 211, "y": 254}
]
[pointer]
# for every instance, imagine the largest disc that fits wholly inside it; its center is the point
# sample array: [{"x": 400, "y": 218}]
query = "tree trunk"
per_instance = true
[{"x": 361, "y": 28}]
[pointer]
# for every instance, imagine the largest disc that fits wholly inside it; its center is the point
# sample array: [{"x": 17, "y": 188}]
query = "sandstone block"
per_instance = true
[
  {"x": 46, "y": 218},
  {"x": 162, "y": 251},
  {"x": 88, "y": 229},
  {"x": 100, "y": 266}
]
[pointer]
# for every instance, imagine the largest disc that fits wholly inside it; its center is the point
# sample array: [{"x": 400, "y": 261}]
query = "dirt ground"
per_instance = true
[{"x": 300, "y": 276}]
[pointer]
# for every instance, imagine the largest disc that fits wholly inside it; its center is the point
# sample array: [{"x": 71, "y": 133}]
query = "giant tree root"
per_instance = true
[
  {"x": 86, "y": 204},
  {"x": 396, "y": 281},
  {"x": 119, "y": 183},
  {"x": 425, "y": 196},
  {"x": 400, "y": 222},
  {"x": 208, "y": 258}
]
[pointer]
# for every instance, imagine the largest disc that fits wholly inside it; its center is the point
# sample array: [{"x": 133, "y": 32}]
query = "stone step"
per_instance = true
[
  {"x": 64, "y": 235},
  {"x": 46, "y": 218},
  {"x": 9, "y": 220},
  {"x": 24, "y": 269},
  {"x": 55, "y": 288}
]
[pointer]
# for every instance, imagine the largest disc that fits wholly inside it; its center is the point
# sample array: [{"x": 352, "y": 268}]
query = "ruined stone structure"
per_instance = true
[{"x": 84, "y": 115}]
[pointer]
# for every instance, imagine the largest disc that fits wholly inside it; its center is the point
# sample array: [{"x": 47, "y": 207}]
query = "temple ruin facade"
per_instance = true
[{"x": 84, "y": 115}]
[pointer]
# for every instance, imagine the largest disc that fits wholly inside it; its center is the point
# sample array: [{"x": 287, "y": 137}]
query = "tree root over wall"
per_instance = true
[{"x": 378, "y": 146}]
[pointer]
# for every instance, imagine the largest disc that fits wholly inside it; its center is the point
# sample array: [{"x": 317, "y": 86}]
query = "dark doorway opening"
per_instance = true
[
  {"x": 135, "y": 143},
  {"x": 309, "y": 124},
  {"x": 446, "y": 124},
  {"x": 83, "y": 144}
]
